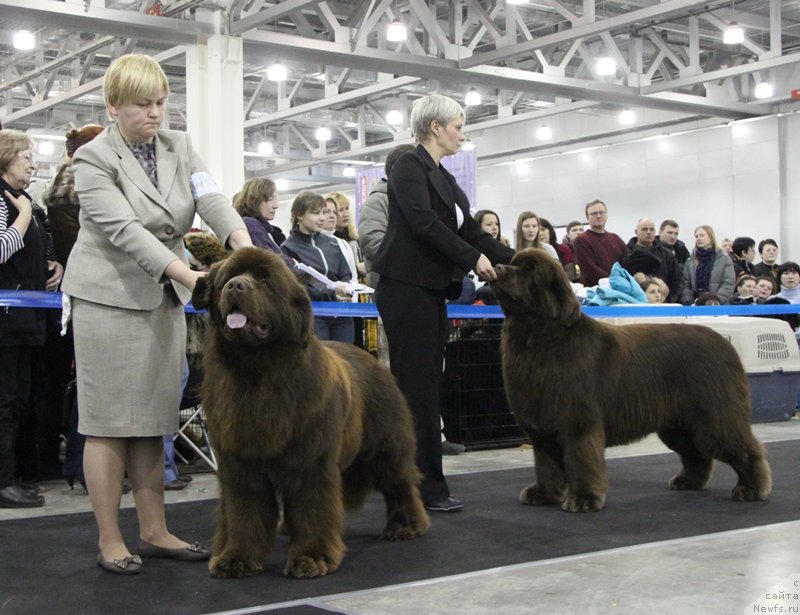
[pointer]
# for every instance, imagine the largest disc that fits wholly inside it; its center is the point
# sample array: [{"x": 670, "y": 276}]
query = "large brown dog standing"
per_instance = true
[
  {"x": 309, "y": 426},
  {"x": 577, "y": 385}
]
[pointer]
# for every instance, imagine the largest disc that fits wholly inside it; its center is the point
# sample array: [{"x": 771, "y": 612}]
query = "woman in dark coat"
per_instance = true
[{"x": 430, "y": 242}]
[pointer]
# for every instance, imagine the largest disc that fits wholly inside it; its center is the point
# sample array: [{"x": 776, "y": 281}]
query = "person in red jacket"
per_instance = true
[{"x": 596, "y": 249}]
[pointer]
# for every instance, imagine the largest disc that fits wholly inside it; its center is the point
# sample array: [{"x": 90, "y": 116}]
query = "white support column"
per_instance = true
[{"x": 214, "y": 110}]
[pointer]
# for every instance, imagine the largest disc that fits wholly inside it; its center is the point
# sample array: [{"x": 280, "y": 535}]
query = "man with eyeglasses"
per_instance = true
[{"x": 596, "y": 250}]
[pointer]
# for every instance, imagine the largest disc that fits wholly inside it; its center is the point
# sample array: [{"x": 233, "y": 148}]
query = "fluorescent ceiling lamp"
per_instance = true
[
  {"x": 733, "y": 34},
  {"x": 276, "y": 72},
  {"x": 764, "y": 90},
  {"x": 394, "y": 117},
  {"x": 323, "y": 134},
  {"x": 516, "y": 1},
  {"x": 24, "y": 40},
  {"x": 46, "y": 148},
  {"x": 348, "y": 172},
  {"x": 472, "y": 98},
  {"x": 396, "y": 32},
  {"x": 468, "y": 146},
  {"x": 544, "y": 133},
  {"x": 265, "y": 148},
  {"x": 626, "y": 117},
  {"x": 281, "y": 184},
  {"x": 605, "y": 66}
]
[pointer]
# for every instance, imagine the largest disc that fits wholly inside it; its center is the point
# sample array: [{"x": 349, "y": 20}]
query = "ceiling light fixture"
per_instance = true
[
  {"x": 764, "y": 90},
  {"x": 46, "y": 148},
  {"x": 281, "y": 184},
  {"x": 626, "y": 117},
  {"x": 24, "y": 40},
  {"x": 323, "y": 134},
  {"x": 394, "y": 117},
  {"x": 733, "y": 34},
  {"x": 265, "y": 148},
  {"x": 544, "y": 133},
  {"x": 605, "y": 66},
  {"x": 516, "y": 1},
  {"x": 348, "y": 171},
  {"x": 472, "y": 98},
  {"x": 468, "y": 146},
  {"x": 277, "y": 72},
  {"x": 396, "y": 32}
]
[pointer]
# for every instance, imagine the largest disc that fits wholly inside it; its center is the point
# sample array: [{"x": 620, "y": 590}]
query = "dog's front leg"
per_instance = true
[
  {"x": 313, "y": 513},
  {"x": 585, "y": 472},
  {"x": 550, "y": 483},
  {"x": 248, "y": 518}
]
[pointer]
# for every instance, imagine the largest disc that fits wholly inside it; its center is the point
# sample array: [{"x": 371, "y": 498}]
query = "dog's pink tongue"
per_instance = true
[{"x": 236, "y": 320}]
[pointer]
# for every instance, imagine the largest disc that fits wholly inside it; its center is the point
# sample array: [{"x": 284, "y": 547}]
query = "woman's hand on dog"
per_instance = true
[{"x": 484, "y": 269}]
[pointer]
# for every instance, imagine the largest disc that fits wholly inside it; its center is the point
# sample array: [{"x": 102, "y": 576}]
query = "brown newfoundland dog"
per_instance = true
[
  {"x": 577, "y": 385},
  {"x": 302, "y": 427}
]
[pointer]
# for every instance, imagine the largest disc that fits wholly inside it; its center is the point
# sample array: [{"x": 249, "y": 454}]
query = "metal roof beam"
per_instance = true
[{"x": 271, "y": 14}]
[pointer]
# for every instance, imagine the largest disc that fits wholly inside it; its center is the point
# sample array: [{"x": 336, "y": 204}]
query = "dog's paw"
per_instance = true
[
  {"x": 679, "y": 482},
  {"x": 307, "y": 567},
  {"x": 397, "y": 532},
  {"x": 534, "y": 495},
  {"x": 582, "y": 503},
  {"x": 741, "y": 493},
  {"x": 221, "y": 567}
]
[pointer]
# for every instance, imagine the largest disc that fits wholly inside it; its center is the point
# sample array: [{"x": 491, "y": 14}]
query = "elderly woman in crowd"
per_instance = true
[
  {"x": 139, "y": 188},
  {"x": 430, "y": 242},
  {"x": 25, "y": 248}
]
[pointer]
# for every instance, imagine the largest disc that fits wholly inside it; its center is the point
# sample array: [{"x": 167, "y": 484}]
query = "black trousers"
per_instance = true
[
  {"x": 415, "y": 321},
  {"x": 15, "y": 397}
]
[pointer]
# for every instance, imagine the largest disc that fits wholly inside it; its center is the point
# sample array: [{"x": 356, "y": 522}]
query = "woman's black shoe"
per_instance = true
[
  {"x": 448, "y": 504},
  {"x": 15, "y": 496}
]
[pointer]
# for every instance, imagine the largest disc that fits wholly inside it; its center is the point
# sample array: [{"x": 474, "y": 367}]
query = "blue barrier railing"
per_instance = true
[{"x": 44, "y": 299}]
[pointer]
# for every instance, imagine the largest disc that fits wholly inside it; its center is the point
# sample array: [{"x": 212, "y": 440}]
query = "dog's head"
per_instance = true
[
  {"x": 253, "y": 298},
  {"x": 535, "y": 284}
]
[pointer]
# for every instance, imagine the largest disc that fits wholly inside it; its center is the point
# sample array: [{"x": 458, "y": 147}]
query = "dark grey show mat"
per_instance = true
[{"x": 47, "y": 564}]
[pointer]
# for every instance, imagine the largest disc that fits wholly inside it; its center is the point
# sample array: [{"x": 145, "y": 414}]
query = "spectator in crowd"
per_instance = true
[
  {"x": 375, "y": 215},
  {"x": 708, "y": 270},
  {"x": 726, "y": 246},
  {"x": 27, "y": 262},
  {"x": 652, "y": 289},
  {"x": 430, "y": 241},
  {"x": 768, "y": 250},
  {"x": 743, "y": 251},
  {"x": 745, "y": 293},
  {"x": 490, "y": 223},
  {"x": 257, "y": 203},
  {"x": 766, "y": 286},
  {"x": 596, "y": 249},
  {"x": 308, "y": 245},
  {"x": 329, "y": 218},
  {"x": 668, "y": 237},
  {"x": 140, "y": 187},
  {"x": 642, "y": 248},
  {"x": 571, "y": 231},
  {"x": 707, "y": 298},
  {"x": 789, "y": 277},
  {"x": 346, "y": 229},
  {"x": 527, "y": 234},
  {"x": 547, "y": 235}
]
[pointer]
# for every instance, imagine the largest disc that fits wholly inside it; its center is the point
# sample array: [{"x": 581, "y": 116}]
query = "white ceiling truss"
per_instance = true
[{"x": 529, "y": 62}]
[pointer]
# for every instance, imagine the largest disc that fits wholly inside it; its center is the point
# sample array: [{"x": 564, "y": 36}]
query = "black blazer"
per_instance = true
[{"x": 423, "y": 245}]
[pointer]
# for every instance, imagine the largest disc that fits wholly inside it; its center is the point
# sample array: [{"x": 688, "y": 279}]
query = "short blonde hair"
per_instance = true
[
  {"x": 433, "y": 108},
  {"x": 12, "y": 142},
  {"x": 132, "y": 77},
  {"x": 343, "y": 202}
]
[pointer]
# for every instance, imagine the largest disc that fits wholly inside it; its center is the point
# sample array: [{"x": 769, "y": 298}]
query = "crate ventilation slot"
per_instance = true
[{"x": 772, "y": 346}]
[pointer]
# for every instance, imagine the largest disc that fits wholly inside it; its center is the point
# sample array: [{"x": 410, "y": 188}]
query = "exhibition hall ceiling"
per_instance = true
[{"x": 546, "y": 63}]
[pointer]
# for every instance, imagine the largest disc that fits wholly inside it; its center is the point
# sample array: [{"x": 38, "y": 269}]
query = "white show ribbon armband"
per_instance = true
[{"x": 203, "y": 184}]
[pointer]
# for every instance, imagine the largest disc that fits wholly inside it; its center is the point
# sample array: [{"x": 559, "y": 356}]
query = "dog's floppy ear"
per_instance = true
[{"x": 201, "y": 296}]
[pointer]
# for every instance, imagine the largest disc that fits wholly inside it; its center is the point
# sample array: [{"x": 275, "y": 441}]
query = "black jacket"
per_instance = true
[{"x": 423, "y": 244}]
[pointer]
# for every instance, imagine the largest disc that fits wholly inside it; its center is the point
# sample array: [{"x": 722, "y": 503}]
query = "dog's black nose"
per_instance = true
[{"x": 236, "y": 285}]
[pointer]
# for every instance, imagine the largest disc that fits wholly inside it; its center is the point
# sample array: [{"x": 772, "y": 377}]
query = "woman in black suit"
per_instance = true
[{"x": 430, "y": 242}]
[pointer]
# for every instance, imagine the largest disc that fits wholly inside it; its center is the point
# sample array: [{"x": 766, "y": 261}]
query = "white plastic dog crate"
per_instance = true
[{"x": 768, "y": 350}]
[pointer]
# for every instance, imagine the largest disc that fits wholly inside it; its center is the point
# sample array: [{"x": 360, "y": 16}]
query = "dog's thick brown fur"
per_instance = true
[
  {"x": 577, "y": 385},
  {"x": 305, "y": 425}
]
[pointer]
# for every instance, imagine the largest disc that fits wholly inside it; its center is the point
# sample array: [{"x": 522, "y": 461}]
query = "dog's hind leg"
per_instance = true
[
  {"x": 697, "y": 466},
  {"x": 750, "y": 464}
]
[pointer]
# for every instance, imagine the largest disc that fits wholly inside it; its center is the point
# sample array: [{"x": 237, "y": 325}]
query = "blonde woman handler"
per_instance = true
[{"x": 139, "y": 189}]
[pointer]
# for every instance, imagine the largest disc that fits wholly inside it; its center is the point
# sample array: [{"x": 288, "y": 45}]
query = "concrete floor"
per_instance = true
[{"x": 725, "y": 573}]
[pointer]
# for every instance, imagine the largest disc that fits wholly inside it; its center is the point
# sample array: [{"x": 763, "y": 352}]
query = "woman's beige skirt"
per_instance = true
[{"x": 129, "y": 366}]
